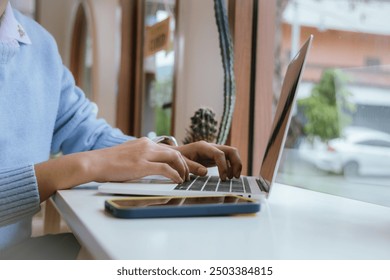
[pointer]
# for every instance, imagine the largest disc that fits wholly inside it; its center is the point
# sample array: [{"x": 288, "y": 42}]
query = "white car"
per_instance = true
[{"x": 360, "y": 151}]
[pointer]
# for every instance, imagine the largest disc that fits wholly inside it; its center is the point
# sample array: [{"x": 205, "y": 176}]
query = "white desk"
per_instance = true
[{"x": 294, "y": 224}]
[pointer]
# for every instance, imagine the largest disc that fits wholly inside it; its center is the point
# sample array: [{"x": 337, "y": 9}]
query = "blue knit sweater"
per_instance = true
[{"x": 42, "y": 112}]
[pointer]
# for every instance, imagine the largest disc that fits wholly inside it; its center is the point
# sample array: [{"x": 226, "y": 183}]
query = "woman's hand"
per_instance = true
[
  {"x": 200, "y": 155},
  {"x": 133, "y": 160},
  {"x": 136, "y": 159}
]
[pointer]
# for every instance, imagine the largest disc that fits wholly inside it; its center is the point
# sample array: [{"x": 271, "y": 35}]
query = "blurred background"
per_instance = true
[{"x": 339, "y": 141}]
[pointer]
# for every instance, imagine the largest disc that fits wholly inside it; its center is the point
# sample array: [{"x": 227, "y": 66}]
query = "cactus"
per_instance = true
[{"x": 203, "y": 127}]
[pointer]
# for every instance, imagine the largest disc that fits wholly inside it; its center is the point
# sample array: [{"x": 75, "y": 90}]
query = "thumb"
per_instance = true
[{"x": 196, "y": 168}]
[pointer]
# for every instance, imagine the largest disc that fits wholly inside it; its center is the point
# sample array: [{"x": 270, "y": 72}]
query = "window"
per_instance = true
[
  {"x": 372, "y": 61},
  {"x": 376, "y": 143},
  {"x": 145, "y": 93},
  {"x": 349, "y": 64},
  {"x": 158, "y": 70}
]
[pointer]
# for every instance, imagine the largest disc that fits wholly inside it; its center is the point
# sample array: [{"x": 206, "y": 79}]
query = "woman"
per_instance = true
[{"x": 42, "y": 112}]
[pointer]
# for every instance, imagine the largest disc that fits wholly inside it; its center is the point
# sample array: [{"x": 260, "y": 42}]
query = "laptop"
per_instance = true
[{"x": 246, "y": 186}]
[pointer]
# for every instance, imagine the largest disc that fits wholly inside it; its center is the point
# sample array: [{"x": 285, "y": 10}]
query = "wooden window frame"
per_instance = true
[
  {"x": 130, "y": 88},
  {"x": 241, "y": 25},
  {"x": 264, "y": 77},
  {"x": 252, "y": 24}
]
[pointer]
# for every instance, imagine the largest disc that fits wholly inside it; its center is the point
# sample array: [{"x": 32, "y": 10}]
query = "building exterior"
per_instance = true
[{"x": 351, "y": 36}]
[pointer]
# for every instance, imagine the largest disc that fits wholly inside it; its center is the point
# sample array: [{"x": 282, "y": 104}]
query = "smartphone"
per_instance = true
[{"x": 180, "y": 206}]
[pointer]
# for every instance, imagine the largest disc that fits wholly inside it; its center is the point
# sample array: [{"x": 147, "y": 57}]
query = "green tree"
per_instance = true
[
  {"x": 328, "y": 109},
  {"x": 161, "y": 101}
]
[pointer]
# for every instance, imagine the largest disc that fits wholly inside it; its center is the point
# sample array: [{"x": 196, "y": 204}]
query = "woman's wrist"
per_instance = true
[{"x": 63, "y": 173}]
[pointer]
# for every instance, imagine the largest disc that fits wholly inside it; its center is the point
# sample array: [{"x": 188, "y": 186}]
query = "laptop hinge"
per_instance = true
[{"x": 262, "y": 185}]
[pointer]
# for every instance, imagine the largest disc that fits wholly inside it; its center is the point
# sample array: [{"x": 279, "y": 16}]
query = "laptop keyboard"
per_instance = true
[{"x": 214, "y": 184}]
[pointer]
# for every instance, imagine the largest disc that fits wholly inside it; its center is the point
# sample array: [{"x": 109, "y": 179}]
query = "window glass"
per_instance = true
[
  {"x": 376, "y": 143},
  {"x": 343, "y": 98},
  {"x": 158, "y": 66}
]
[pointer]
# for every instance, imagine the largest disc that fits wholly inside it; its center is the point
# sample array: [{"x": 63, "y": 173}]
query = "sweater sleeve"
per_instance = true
[
  {"x": 77, "y": 127},
  {"x": 19, "y": 195}
]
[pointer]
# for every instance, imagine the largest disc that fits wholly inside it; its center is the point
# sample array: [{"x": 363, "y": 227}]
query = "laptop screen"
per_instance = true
[{"x": 282, "y": 116}]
